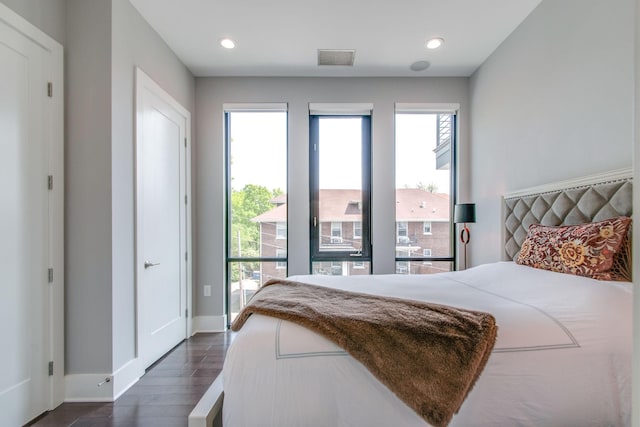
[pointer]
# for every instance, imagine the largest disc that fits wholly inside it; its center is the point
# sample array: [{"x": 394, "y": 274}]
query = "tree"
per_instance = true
[
  {"x": 431, "y": 187},
  {"x": 247, "y": 204}
]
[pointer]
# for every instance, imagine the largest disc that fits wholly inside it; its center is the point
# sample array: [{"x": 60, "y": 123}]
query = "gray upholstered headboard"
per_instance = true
[{"x": 587, "y": 199}]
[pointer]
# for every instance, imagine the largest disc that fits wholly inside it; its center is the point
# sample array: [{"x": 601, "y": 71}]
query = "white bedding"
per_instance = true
[{"x": 562, "y": 357}]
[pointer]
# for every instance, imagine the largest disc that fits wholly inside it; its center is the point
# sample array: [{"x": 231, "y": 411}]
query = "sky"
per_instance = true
[
  {"x": 340, "y": 149},
  {"x": 259, "y": 148},
  {"x": 416, "y": 138}
]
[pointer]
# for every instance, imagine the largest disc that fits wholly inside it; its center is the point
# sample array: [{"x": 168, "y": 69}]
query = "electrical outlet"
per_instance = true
[{"x": 207, "y": 290}]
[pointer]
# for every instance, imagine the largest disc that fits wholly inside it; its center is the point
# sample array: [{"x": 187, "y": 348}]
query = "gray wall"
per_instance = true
[
  {"x": 134, "y": 43},
  {"x": 88, "y": 202},
  {"x": 553, "y": 102},
  {"x": 635, "y": 397},
  {"x": 48, "y": 15},
  {"x": 211, "y": 93},
  {"x": 106, "y": 40},
  {"x": 84, "y": 28},
  {"x": 553, "y": 94}
]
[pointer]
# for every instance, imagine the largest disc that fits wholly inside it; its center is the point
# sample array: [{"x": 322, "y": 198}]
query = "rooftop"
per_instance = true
[{"x": 412, "y": 204}]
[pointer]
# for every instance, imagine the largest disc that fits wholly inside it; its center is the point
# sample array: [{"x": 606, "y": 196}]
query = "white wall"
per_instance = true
[
  {"x": 553, "y": 102},
  {"x": 211, "y": 93}
]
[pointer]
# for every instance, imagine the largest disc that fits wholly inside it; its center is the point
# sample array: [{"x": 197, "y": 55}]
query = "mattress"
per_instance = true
[{"x": 562, "y": 356}]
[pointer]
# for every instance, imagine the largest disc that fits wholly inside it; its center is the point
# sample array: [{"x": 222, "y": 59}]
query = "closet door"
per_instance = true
[
  {"x": 161, "y": 220},
  {"x": 26, "y": 293}
]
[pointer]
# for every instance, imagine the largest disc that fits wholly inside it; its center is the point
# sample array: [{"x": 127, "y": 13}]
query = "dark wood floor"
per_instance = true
[{"x": 163, "y": 397}]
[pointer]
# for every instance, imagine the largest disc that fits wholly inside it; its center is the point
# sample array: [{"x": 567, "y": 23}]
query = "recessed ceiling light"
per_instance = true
[
  {"x": 227, "y": 43},
  {"x": 419, "y": 65},
  {"x": 434, "y": 43}
]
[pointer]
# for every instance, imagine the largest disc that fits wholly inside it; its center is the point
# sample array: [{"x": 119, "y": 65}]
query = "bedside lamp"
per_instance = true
[{"x": 464, "y": 213}]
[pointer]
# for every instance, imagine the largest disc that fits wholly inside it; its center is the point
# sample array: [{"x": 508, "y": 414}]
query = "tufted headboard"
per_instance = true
[{"x": 587, "y": 199}]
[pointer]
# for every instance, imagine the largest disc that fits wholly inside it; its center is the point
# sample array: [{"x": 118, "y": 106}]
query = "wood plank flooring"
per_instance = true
[{"x": 163, "y": 397}]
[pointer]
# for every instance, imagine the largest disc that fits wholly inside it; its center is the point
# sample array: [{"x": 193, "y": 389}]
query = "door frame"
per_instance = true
[
  {"x": 144, "y": 82},
  {"x": 54, "y": 134}
]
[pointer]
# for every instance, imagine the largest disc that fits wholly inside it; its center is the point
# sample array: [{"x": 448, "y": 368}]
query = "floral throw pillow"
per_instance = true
[{"x": 584, "y": 249}]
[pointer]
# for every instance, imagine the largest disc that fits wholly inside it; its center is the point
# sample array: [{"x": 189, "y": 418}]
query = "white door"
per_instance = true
[
  {"x": 26, "y": 136},
  {"x": 161, "y": 212}
]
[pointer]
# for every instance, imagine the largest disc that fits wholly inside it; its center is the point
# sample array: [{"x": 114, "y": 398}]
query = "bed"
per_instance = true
[{"x": 562, "y": 356}]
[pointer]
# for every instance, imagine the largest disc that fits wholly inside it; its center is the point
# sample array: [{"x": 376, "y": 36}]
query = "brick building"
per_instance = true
[{"x": 422, "y": 231}]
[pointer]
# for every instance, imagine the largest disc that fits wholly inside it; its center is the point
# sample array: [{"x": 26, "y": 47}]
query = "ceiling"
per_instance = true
[{"x": 282, "y": 37}]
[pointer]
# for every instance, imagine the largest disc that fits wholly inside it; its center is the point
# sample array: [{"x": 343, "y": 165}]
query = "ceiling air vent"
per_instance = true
[{"x": 336, "y": 57}]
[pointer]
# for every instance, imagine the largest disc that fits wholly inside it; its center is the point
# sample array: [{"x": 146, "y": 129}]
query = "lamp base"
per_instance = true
[{"x": 465, "y": 235}]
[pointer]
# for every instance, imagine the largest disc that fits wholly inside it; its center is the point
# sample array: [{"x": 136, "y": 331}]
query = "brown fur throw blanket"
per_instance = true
[{"x": 429, "y": 355}]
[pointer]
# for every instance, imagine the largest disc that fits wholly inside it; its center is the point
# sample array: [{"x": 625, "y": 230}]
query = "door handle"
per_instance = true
[{"x": 148, "y": 264}]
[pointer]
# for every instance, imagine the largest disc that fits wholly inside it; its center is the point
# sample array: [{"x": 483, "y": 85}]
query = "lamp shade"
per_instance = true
[{"x": 464, "y": 212}]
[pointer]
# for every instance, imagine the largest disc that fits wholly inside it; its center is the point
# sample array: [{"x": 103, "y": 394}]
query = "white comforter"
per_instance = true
[{"x": 562, "y": 357}]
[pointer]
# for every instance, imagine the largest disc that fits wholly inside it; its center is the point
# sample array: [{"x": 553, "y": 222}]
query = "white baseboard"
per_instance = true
[
  {"x": 209, "y": 324},
  {"x": 102, "y": 387},
  {"x": 86, "y": 388}
]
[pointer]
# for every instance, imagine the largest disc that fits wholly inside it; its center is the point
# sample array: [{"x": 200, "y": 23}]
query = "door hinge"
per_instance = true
[
  {"x": 185, "y": 142},
  {"x": 185, "y": 200},
  {"x": 186, "y": 256},
  {"x": 315, "y": 221},
  {"x": 186, "y": 312},
  {"x": 50, "y": 275},
  {"x": 50, "y": 89},
  {"x": 50, "y": 182},
  {"x": 51, "y": 368}
]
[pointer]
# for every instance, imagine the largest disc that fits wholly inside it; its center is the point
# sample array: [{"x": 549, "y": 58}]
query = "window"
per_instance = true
[
  {"x": 357, "y": 230},
  {"x": 426, "y": 253},
  {"x": 402, "y": 230},
  {"x": 336, "y": 268},
  {"x": 425, "y": 172},
  {"x": 402, "y": 267},
  {"x": 281, "y": 253},
  {"x": 336, "y": 232},
  {"x": 256, "y": 220},
  {"x": 340, "y": 182},
  {"x": 358, "y": 265},
  {"x": 426, "y": 227}
]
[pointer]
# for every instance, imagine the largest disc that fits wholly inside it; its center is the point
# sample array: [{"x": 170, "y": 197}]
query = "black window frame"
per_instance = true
[
  {"x": 314, "y": 194},
  {"x": 452, "y": 258},
  {"x": 229, "y": 258}
]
